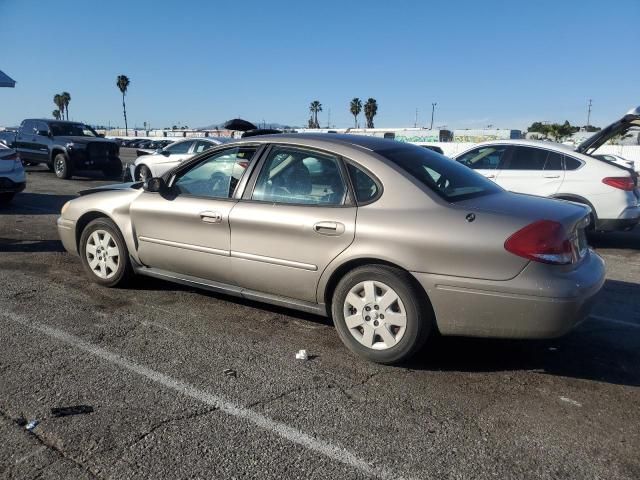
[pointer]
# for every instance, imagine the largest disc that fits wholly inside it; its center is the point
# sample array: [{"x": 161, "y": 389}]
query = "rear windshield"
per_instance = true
[{"x": 451, "y": 180}]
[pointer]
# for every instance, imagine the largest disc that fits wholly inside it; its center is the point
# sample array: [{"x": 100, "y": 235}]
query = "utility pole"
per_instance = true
[
  {"x": 329, "y": 119},
  {"x": 589, "y": 113},
  {"x": 415, "y": 124},
  {"x": 433, "y": 109}
]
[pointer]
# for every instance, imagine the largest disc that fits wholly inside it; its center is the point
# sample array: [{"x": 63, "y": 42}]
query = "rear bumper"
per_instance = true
[
  {"x": 628, "y": 219},
  {"x": 9, "y": 186},
  {"x": 543, "y": 301}
]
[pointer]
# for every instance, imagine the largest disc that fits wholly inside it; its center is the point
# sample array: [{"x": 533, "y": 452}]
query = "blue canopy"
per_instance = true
[{"x": 6, "y": 80}]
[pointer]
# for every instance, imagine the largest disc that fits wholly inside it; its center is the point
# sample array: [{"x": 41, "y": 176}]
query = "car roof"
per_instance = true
[
  {"x": 367, "y": 142},
  {"x": 53, "y": 120},
  {"x": 559, "y": 147}
]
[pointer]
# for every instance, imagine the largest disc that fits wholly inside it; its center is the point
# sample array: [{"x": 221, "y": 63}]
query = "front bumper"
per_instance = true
[
  {"x": 543, "y": 301},
  {"x": 9, "y": 186},
  {"x": 81, "y": 160},
  {"x": 67, "y": 233}
]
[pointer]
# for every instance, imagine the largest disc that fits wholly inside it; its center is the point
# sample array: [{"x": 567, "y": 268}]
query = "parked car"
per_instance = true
[
  {"x": 390, "y": 239},
  {"x": 558, "y": 171},
  {"x": 66, "y": 147},
  {"x": 152, "y": 147},
  {"x": 157, "y": 163},
  {"x": 619, "y": 160},
  {"x": 12, "y": 176}
]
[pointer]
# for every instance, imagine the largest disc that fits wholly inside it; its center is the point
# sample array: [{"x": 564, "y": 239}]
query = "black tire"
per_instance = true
[
  {"x": 143, "y": 173},
  {"x": 124, "y": 271},
  {"x": 419, "y": 314},
  {"x": 113, "y": 170},
  {"x": 6, "y": 198},
  {"x": 62, "y": 166}
]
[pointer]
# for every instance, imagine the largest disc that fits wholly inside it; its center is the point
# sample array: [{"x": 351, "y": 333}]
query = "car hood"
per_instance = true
[
  {"x": 110, "y": 188},
  {"x": 82, "y": 140},
  {"x": 629, "y": 120}
]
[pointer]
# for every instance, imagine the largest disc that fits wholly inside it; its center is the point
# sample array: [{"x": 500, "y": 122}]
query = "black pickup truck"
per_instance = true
[{"x": 66, "y": 147}]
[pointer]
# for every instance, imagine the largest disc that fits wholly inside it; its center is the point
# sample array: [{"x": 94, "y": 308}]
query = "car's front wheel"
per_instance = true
[
  {"x": 381, "y": 314},
  {"x": 104, "y": 253},
  {"x": 143, "y": 173},
  {"x": 62, "y": 166}
]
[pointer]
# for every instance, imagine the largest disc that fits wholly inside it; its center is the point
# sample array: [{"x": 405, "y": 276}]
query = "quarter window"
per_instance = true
[
  {"x": 571, "y": 163},
  {"x": 365, "y": 186},
  {"x": 484, "y": 158},
  {"x": 217, "y": 175},
  {"x": 300, "y": 177}
]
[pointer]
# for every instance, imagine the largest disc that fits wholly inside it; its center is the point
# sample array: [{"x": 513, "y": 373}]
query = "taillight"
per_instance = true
[
  {"x": 623, "y": 183},
  {"x": 543, "y": 241}
]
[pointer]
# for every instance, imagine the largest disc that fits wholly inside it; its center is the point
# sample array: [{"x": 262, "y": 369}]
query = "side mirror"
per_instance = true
[
  {"x": 166, "y": 153},
  {"x": 101, "y": 135},
  {"x": 155, "y": 185}
]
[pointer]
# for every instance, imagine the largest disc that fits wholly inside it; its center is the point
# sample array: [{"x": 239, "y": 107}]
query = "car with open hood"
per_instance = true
[
  {"x": 391, "y": 240},
  {"x": 548, "y": 169}
]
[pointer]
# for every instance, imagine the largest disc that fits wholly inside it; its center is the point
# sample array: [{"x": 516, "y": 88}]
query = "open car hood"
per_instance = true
[
  {"x": 591, "y": 144},
  {"x": 109, "y": 188}
]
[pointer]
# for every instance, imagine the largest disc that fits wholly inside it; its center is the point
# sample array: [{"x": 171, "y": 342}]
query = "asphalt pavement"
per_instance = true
[{"x": 173, "y": 382}]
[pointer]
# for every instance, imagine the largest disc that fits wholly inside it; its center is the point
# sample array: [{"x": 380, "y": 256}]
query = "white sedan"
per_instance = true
[{"x": 161, "y": 161}]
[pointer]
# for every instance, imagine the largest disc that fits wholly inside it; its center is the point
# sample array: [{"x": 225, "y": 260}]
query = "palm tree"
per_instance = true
[
  {"x": 123, "y": 84},
  {"x": 56, "y": 114},
  {"x": 315, "y": 108},
  {"x": 355, "y": 107},
  {"x": 59, "y": 101},
  {"x": 370, "y": 111},
  {"x": 66, "y": 99}
]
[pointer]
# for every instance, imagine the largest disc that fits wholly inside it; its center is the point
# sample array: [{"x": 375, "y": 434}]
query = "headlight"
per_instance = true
[{"x": 64, "y": 207}]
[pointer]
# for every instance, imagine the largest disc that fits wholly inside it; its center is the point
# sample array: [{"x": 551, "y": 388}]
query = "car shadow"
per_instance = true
[
  {"x": 602, "y": 348},
  {"x": 30, "y": 246},
  {"x": 35, "y": 204}
]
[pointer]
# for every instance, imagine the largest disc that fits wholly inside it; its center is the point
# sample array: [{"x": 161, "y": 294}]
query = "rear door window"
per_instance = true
[
  {"x": 366, "y": 187},
  {"x": 554, "y": 161},
  {"x": 526, "y": 158},
  {"x": 571, "y": 163}
]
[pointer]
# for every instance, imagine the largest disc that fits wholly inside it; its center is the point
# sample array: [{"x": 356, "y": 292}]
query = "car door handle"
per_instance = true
[
  {"x": 490, "y": 176},
  {"x": 551, "y": 176},
  {"x": 211, "y": 217},
  {"x": 329, "y": 228}
]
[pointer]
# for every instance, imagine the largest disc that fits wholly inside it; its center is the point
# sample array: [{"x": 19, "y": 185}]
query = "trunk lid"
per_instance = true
[{"x": 630, "y": 120}]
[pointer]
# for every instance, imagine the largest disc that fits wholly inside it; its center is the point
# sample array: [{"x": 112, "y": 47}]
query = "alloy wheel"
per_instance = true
[
  {"x": 59, "y": 165},
  {"x": 375, "y": 315},
  {"x": 102, "y": 254}
]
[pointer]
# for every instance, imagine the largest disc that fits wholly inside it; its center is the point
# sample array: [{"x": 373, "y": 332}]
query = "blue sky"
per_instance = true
[{"x": 503, "y": 63}]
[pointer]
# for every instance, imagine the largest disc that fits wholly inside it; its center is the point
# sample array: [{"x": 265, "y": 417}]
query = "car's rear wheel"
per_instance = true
[
  {"x": 143, "y": 173},
  {"x": 62, "y": 166},
  {"x": 6, "y": 198},
  {"x": 381, "y": 314},
  {"x": 104, "y": 253}
]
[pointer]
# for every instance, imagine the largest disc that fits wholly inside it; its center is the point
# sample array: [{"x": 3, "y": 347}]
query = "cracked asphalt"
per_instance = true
[{"x": 150, "y": 361}]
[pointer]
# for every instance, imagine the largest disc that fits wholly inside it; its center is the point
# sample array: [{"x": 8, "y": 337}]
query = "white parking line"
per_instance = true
[
  {"x": 614, "y": 320},
  {"x": 291, "y": 434}
]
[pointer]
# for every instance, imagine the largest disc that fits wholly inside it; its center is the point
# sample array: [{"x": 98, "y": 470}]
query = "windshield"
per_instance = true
[
  {"x": 72, "y": 130},
  {"x": 449, "y": 179}
]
